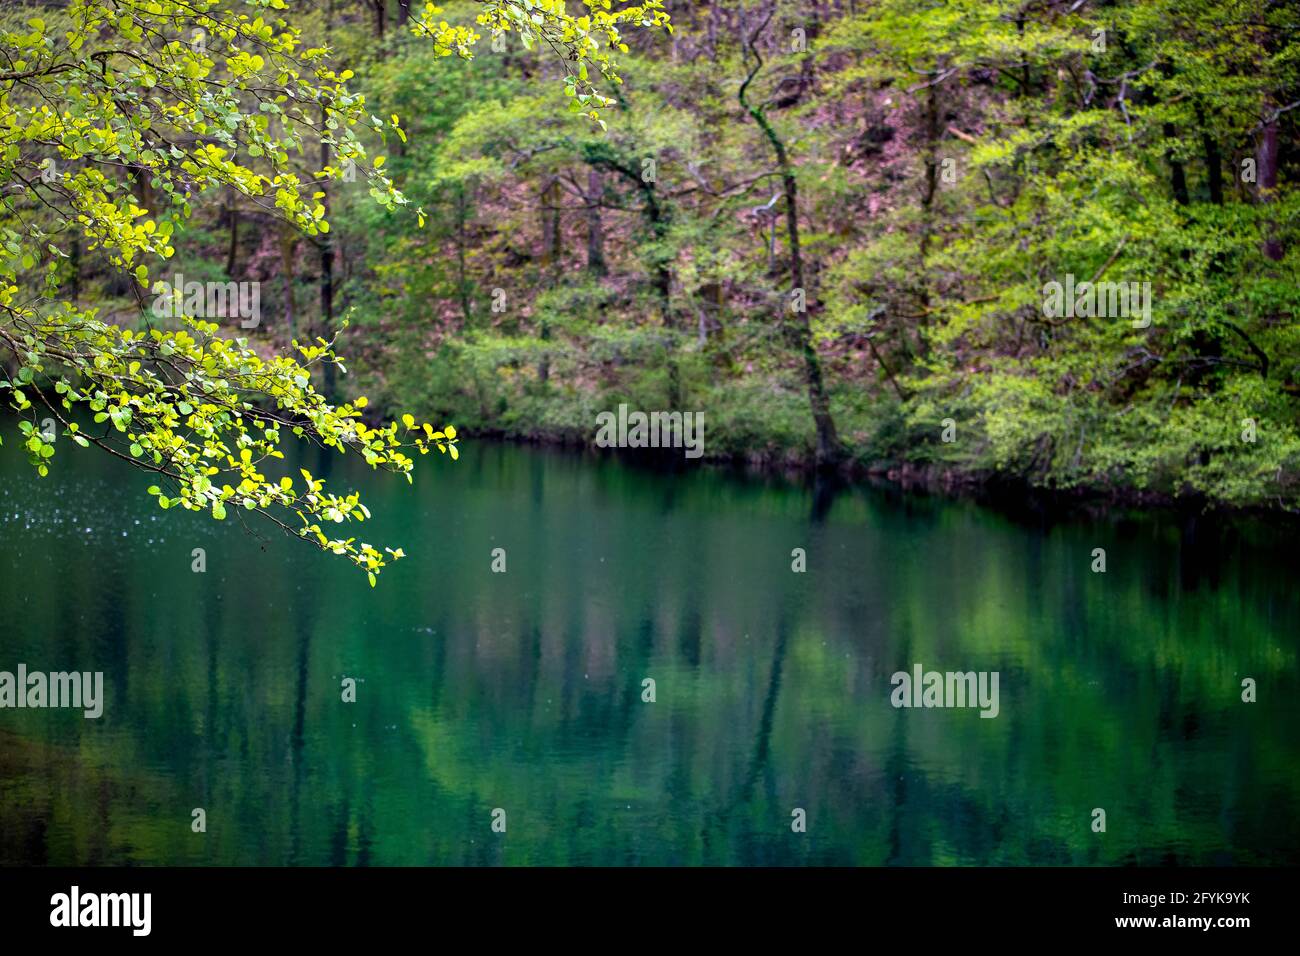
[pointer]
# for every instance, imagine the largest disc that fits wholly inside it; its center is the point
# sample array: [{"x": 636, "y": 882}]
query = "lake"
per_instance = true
[{"x": 520, "y": 697}]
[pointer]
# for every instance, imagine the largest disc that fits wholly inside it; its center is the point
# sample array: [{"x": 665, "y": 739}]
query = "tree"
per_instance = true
[
  {"x": 117, "y": 119},
  {"x": 1090, "y": 141},
  {"x": 829, "y": 450}
]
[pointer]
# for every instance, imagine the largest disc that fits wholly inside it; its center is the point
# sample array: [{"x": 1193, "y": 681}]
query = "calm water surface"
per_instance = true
[{"x": 523, "y": 690}]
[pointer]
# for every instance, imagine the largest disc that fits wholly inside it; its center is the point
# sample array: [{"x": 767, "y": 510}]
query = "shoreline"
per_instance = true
[{"x": 987, "y": 488}]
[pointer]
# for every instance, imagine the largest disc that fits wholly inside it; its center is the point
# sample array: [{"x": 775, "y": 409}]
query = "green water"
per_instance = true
[{"x": 523, "y": 690}]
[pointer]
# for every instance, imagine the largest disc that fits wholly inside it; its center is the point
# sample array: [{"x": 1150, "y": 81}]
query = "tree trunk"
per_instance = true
[
  {"x": 1177, "y": 176},
  {"x": 544, "y": 366},
  {"x": 288, "y": 248},
  {"x": 595, "y": 228},
  {"x": 232, "y": 251},
  {"x": 74, "y": 268},
  {"x": 932, "y": 132},
  {"x": 462, "y": 243},
  {"x": 659, "y": 227},
  {"x": 550, "y": 224},
  {"x": 1213, "y": 159},
  {"x": 327, "y": 275},
  {"x": 829, "y": 450},
  {"x": 551, "y": 254},
  {"x": 1266, "y": 162}
]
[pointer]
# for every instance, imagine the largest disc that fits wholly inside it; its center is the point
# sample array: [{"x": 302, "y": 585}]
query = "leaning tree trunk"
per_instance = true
[{"x": 829, "y": 450}]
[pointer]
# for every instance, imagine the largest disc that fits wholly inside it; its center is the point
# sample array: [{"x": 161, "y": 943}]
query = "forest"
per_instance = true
[
  {"x": 1051, "y": 242},
  {"x": 823, "y": 433}
]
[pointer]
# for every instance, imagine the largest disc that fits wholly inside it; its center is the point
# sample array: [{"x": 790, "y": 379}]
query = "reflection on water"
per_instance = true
[{"x": 523, "y": 691}]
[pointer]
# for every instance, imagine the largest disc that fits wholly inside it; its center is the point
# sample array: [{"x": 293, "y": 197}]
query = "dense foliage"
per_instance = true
[
  {"x": 123, "y": 122},
  {"x": 924, "y": 172},
  {"x": 832, "y": 227}
]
